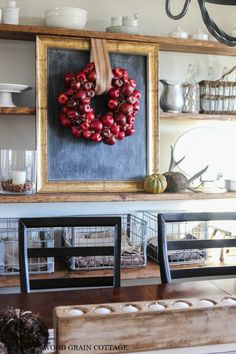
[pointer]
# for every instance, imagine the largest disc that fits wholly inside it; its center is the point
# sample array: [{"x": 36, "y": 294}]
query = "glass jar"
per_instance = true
[
  {"x": 17, "y": 172},
  {"x": 191, "y": 92}
]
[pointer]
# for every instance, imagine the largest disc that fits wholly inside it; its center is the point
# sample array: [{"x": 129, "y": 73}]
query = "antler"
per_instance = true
[
  {"x": 198, "y": 174},
  {"x": 174, "y": 163}
]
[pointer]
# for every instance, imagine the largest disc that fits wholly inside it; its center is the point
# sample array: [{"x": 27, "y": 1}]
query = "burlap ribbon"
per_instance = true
[{"x": 99, "y": 55}]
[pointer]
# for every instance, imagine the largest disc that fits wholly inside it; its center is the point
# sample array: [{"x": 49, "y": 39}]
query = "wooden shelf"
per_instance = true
[
  {"x": 28, "y": 111},
  {"x": 110, "y": 197},
  {"x": 20, "y": 32},
  {"x": 187, "y": 116}
]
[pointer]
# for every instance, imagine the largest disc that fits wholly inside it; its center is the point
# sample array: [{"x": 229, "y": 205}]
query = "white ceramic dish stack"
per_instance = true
[{"x": 67, "y": 17}]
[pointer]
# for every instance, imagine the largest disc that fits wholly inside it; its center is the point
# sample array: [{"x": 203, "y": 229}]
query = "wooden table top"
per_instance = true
[{"x": 44, "y": 302}]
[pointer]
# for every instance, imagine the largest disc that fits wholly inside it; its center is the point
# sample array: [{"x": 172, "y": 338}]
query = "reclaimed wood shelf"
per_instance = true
[
  {"x": 110, "y": 197},
  {"x": 28, "y": 111},
  {"x": 29, "y": 33},
  {"x": 197, "y": 116}
]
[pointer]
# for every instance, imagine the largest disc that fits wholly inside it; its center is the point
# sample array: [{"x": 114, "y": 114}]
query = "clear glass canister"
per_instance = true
[
  {"x": 191, "y": 92},
  {"x": 17, "y": 172}
]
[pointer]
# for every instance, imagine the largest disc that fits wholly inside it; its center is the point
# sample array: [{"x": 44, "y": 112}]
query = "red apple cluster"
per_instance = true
[{"x": 78, "y": 115}]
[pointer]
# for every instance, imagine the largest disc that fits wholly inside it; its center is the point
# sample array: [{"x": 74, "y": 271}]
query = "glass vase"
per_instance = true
[{"x": 17, "y": 172}]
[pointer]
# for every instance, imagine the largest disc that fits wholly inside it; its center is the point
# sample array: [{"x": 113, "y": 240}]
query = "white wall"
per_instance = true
[{"x": 17, "y": 65}]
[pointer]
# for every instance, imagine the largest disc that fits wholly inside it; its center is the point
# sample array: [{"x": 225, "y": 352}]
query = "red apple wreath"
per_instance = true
[{"x": 78, "y": 115}]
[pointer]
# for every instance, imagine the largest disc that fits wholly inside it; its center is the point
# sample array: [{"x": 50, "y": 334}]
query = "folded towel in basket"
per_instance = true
[{"x": 11, "y": 252}]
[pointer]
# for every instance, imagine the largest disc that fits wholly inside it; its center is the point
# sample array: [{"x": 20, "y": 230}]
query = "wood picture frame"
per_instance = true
[{"x": 67, "y": 164}]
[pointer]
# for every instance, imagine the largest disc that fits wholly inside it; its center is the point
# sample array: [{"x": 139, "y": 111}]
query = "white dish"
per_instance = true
[
  {"x": 4, "y": 87},
  {"x": 123, "y": 29},
  {"x": 230, "y": 185},
  {"x": 66, "y": 17},
  {"x": 6, "y": 91},
  {"x": 200, "y": 35},
  {"x": 179, "y": 33},
  {"x": 69, "y": 11},
  {"x": 204, "y": 146},
  {"x": 71, "y": 22}
]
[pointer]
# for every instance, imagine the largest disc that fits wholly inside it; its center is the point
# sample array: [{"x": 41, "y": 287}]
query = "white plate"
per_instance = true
[
  {"x": 6, "y": 91},
  {"x": 123, "y": 29},
  {"x": 204, "y": 146},
  {"x": 13, "y": 87}
]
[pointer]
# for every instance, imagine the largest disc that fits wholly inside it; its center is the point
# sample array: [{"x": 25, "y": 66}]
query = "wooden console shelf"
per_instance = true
[
  {"x": 197, "y": 116},
  {"x": 28, "y": 111},
  {"x": 29, "y": 33},
  {"x": 110, "y": 197}
]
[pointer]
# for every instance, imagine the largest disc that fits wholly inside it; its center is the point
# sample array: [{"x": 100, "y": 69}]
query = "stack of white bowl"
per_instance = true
[{"x": 67, "y": 17}]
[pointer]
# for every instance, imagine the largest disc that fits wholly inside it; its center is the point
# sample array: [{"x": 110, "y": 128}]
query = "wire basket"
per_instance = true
[
  {"x": 9, "y": 252},
  {"x": 176, "y": 231},
  {"x": 218, "y": 97},
  {"x": 133, "y": 244}
]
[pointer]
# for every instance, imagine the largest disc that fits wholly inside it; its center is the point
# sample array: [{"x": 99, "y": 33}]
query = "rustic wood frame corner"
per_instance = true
[{"x": 44, "y": 185}]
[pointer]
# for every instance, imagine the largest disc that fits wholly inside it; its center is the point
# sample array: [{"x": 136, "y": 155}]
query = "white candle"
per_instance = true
[
  {"x": 102, "y": 310},
  {"x": 228, "y": 301},
  {"x": 129, "y": 308},
  {"x": 18, "y": 177},
  {"x": 205, "y": 303},
  {"x": 156, "y": 307},
  {"x": 75, "y": 312},
  {"x": 180, "y": 305}
]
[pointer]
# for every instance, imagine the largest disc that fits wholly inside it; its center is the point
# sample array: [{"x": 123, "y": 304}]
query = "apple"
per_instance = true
[
  {"x": 126, "y": 108},
  {"x": 96, "y": 137},
  {"x": 97, "y": 125},
  {"x": 62, "y": 98},
  {"x": 121, "y": 119},
  {"x": 76, "y": 131},
  {"x": 120, "y": 135},
  {"x": 107, "y": 120},
  {"x": 110, "y": 141},
  {"x": 65, "y": 121},
  {"x": 114, "y": 92},
  {"x": 112, "y": 104}
]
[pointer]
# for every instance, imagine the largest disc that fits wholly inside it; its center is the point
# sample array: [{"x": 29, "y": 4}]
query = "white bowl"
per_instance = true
[
  {"x": 179, "y": 33},
  {"x": 68, "y": 11},
  {"x": 67, "y": 17},
  {"x": 230, "y": 185},
  {"x": 200, "y": 35},
  {"x": 72, "y": 22}
]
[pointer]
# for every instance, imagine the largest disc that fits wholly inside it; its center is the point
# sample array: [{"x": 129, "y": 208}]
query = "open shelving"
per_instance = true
[
  {"x": 197, "y": 116},
  {"x": 29, "y": 33},
  {"x": 111, "y": 197}
]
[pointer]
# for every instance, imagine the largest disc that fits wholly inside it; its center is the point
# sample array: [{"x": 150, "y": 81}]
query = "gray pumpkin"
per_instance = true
[{"x": 176, "y": 182}]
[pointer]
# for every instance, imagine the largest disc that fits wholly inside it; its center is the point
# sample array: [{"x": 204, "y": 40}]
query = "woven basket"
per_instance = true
[{"x": 218, "y": 97}]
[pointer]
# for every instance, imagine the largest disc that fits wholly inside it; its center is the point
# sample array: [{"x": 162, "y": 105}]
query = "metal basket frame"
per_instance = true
[
  {"x": 9, "y": 251},
  {"x": 176, "y": 231},
  {"x": 218, "y": 97},
  {"x": 132, "y": 227}
]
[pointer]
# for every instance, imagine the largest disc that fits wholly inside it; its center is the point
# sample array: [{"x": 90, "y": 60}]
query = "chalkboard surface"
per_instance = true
[{"x": 72, "y": 159}]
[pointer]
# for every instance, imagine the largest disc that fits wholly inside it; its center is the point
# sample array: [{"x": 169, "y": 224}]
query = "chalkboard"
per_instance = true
[{"x": 72, "y": 159}]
